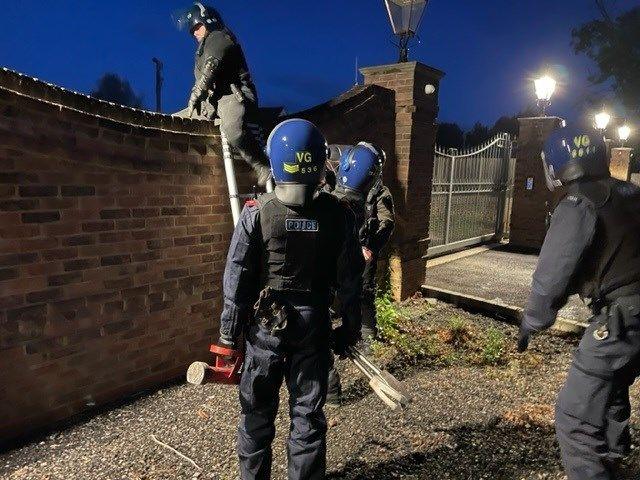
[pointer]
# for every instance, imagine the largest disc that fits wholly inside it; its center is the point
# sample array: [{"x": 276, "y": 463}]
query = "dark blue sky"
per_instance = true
[{"x": 303, "y": 52}]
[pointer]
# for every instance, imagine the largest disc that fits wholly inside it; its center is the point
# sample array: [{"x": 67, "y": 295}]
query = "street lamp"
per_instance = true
[
  {"x": 405, "y": 17},
  {"x": 545, "y": 86},
  {"x": 602, "y": 120},
  {"x": 623, "y": 133}
]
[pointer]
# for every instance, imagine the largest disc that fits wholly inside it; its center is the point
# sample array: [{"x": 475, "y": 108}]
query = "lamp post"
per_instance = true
[
  {"x": 405, "y": 17},
  {"x": 623, "y": 133},
  {"x": 159, "y": 81},
  {"x": 601, "y": 121},
  {"x": 545, "y": 86}
]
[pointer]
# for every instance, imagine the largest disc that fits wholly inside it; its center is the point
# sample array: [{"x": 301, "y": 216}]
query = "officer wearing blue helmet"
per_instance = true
[
  {"x": 359, "y": 170},
  {"x": 591, "y": 248},
  {"x": 290, "y": 250},
  {"x": 361, "y": 173}
]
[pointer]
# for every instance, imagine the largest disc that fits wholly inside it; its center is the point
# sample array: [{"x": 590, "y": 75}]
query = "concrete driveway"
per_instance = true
[{"x": 496, "y": 275}]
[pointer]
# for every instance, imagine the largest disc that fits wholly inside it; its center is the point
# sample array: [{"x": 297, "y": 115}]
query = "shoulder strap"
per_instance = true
[{"x": 263, "y": 199}]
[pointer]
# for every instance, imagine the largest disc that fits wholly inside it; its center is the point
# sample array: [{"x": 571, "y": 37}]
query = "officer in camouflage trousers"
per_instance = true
[
  {"x": 376, "y": 232},
  {"x": 359, "y": 170},
  {"x": 591, "y": 248},
  {"x": 296, "y": 246},
  {"x": 223, "y": 85}
]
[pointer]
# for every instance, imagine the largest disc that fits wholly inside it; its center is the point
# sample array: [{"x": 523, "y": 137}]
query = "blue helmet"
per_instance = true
[
  {"x": 572, "y": 153},
  {"x": 360, "y": 167},
  {"x": 297, "y": 151},
  {"x": 198, "y": 14}
]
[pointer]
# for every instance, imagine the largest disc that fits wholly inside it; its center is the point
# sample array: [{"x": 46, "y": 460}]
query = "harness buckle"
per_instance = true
[{"x": 602, "y": 332}]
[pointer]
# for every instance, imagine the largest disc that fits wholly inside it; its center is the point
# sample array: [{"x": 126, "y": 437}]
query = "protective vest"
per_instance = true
[
  {"x": 355, "y": 202},
  {"x": 613, "y": 259},
  {"x": 222, "y": 48},
  {"x": 371, "y": 220},
  {"x": 301, "y": 245}
]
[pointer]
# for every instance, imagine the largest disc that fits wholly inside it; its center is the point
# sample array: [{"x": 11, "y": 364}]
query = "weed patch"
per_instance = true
[{"x": 405, "y": 333}]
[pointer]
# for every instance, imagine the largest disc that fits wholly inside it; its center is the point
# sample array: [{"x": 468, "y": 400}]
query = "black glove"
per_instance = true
[
  {"x": 195, "y": 100},
  {"x": 227, "y": 342},
  {"x": 523, "y": 337},
  {"x": 344, "y": 338}
]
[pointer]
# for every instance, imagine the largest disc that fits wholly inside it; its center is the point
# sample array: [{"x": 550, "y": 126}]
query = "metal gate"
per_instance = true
[{"x": 471, "y": 194}]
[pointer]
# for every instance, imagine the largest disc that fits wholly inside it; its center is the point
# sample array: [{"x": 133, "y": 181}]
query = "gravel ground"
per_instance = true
[
  {"x": 497, "y": 275},
  {"x": 466, "y": 422}
]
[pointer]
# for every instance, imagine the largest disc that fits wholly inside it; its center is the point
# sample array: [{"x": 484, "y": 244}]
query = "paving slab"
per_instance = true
[{"x": 499, "y": 276}]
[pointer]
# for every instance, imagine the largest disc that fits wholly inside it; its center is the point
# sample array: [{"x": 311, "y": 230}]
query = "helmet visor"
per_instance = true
[{"x": 185, "y": 19}]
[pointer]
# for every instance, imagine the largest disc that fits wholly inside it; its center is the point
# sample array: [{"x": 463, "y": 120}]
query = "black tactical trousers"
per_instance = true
[
  {"x": 368, "y": 306},
  {"x": 300, "y": 356},
  {"x": 592, "y": 411},
  {"x": 234, "y": 116}
]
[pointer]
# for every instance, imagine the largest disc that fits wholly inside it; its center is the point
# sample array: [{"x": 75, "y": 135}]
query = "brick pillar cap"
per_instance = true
[
  {"x": 622, "y": 149},
  {"x": 394, "y": 67},
  {"x": 540, "y": 119}
]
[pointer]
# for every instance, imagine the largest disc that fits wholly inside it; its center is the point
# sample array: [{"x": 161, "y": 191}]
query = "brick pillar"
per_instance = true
[
  {"x": 531, "y": 197},
  {"x": 620, "y": 163},
  {"x": 410, "y": 177}
]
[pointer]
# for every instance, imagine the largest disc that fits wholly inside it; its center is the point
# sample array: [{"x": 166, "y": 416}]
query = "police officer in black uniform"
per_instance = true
[
  {"x": 223, "y": 85},
  {"x": 359, "y": 169},
  {"x": 378, "y": 226},
  {"x": 592, "y": 248},
  {"x": 372, "y": 203},
  {"x": 290, "y": 250}
]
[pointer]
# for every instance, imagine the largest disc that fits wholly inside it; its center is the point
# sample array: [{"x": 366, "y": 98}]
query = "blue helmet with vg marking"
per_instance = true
[
  {"x": 571, "y": 153},
  {"x": 360, "y": 167},
  {"x": 298, "y": 152}
]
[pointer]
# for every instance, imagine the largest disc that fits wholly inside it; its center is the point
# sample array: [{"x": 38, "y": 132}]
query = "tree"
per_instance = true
[
  {"x": 614, "y": 46},
  {"x": 511, "y": 125},
  {"x": 505, "y": 124},
  {"x": 450, "y": 135},
  {"x": 477, "y": 135},
  {"x": 112, "y": 88}
]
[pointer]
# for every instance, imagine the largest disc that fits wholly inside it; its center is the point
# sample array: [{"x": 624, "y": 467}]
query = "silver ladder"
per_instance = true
[{"x": 229, "y": 156}]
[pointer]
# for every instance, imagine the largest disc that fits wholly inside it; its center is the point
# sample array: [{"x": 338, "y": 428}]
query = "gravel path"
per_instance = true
[{"x": 466, "y": 422}]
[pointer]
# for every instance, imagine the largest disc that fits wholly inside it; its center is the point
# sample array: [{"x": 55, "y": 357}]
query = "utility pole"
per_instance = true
[{"x": 159, "y": 81}]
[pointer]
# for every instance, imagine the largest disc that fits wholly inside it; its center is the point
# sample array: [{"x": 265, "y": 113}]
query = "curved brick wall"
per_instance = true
[{"x": 114, "y": 225}]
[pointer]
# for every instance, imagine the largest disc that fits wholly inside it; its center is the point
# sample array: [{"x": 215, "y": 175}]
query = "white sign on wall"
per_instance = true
[{"x": 529, "y": 185}]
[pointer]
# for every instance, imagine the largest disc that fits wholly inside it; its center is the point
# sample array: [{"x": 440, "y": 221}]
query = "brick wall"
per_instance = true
[
  {"x": 531, "y": 205},
  {"x": 621, "y": 164},
  {"x": 393, "y": 110},
  {"x": 114, "y": 227},
  {"x": 415, "y": 132}
]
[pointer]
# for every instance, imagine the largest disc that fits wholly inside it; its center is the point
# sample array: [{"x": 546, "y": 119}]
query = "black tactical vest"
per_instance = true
[
  {"x": 301, "y": 245},
  {"x": 355, "y": 202},
  {"x": 371, "y": 221},
  {"x": 613, "y": 259},
  {"x": 233, "y": 69}
]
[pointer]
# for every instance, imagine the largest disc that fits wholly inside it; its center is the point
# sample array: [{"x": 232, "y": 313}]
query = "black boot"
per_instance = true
[{"x": 334, "y": 390}]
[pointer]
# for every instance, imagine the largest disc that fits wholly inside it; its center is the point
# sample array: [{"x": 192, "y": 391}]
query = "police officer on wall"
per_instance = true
[
  {"x": 592, "y": 248},
  {"x": 290, "y": 250},
  {"x": 223, "y": 85}
]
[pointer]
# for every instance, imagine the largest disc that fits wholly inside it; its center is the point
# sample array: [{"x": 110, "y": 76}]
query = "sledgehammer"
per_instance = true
[{"x": 390, "y": 390}]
